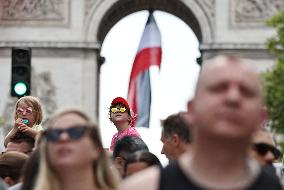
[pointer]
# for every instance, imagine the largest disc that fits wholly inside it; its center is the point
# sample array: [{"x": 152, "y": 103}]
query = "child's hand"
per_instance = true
[
  {"x": 23, "y": 128},
  {"x": 27, "y": 130},
  {"x": 18, "y": 122}
]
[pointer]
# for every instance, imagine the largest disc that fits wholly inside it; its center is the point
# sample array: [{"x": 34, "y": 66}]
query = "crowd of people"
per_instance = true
[{"x": 220, "y": 142}]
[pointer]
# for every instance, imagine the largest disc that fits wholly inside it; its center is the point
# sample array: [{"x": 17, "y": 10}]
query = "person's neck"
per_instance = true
[
  {"x": 181, "y": 149},
  {"x": 219, "y": 164},
  {"x": 79, "y": 178},
  {"x": 185, "y": 147},
  {"x": 122, "y": 126}
]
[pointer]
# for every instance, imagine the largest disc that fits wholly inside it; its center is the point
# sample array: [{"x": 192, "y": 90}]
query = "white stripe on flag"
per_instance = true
[
  {"x": 151, "y": 36},
  {"x": 143, "y": 99}
]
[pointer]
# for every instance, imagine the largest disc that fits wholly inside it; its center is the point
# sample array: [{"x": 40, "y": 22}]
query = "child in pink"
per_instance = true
[{"x": 122, "y": 117}]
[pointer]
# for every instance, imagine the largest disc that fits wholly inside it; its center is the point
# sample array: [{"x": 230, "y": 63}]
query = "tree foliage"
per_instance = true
[{"x": 274, "y": 78}]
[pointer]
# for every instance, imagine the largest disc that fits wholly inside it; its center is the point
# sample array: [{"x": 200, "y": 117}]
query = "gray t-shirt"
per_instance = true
[
  {"x": 3, "y": 186},
  {"x": 18, "y": 186}
]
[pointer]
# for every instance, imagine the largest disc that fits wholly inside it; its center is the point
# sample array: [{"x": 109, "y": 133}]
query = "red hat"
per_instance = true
[{"x": 120, "y": 100}]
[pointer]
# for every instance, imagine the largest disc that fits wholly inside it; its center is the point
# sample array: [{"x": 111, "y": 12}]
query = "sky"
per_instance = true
[{"x": 172, "y": 86}]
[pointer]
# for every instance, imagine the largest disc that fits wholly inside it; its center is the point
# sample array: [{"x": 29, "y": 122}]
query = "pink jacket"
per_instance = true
[{"x": 131, "y": 131}]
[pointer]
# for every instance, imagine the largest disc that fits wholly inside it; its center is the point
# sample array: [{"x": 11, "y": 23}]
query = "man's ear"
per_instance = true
[
  {"x": 264, "y": 116},
  {"x": 189, "y": 115},
  {"x": 175, "y": 139},
  {"x": 119, "y": 162}
]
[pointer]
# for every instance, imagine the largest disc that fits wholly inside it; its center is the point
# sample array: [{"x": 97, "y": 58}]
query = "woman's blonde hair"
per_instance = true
[
  {"x": 106, "y": 177},
  {"x": 34, "y": 102}
]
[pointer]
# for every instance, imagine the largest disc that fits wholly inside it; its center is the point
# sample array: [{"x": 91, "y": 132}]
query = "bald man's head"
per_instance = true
[
  {"x": 228, "y": 99},
  {"x": 212, "y": 67}
]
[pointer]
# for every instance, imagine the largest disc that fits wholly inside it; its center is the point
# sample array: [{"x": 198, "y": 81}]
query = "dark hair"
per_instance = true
[
  {"x": 31, "y": 169},
  {"x": 128, "y": 145},
  {"x": 176, "y": 123},
  {"x": 143, "y": 156},
  {"x": 22, "y": 137},
  {"x": 11, "y": 164}
]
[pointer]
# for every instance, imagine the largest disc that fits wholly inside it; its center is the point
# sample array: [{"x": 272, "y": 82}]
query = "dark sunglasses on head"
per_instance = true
[
  {"x": 74, "y": 133},
  {"x": 262, "y": 149}
]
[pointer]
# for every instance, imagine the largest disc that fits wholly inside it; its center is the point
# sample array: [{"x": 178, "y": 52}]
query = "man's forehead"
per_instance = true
[
  {"x": 223, "y": 65},
  {"x": 223, "y": 62},
  {"x": 262, "y": 136}
]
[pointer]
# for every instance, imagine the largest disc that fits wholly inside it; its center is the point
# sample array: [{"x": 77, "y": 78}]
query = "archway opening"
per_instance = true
[{"x": 172, "y": 86}]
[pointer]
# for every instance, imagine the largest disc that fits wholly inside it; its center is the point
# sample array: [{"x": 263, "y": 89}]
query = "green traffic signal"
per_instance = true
[
  {"x": 20, "y": 88},
  {"x": 21, "y": 72}
]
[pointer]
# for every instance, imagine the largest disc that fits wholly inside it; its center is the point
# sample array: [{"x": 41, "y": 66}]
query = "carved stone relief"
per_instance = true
[
  {"x": 35, "y": 12},
  {"x": 209, "y": 9},
  {"x": 44, "y": 88},
  {"x": 88, "y": 6},
  {"x": 209, "y": 6},
  {"x": 254, "y": 12}
]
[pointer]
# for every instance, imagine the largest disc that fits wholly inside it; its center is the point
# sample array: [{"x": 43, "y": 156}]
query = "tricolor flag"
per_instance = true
[{"x": 149, "y": 53}]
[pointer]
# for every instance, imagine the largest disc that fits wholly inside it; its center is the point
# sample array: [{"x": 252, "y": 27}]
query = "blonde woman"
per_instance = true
[{"x": 72, "y": 155}]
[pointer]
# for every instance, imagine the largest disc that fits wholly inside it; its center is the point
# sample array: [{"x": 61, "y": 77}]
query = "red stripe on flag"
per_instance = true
[{"x": 145, "y": 58}]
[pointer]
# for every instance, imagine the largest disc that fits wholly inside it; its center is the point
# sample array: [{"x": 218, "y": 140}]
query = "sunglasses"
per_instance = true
[
  {"x": 21, "y": 111},
  {"x": 115, "y": 110},
  {"x": 262, "y": 149},
  {"x": 74, "y": 133}
]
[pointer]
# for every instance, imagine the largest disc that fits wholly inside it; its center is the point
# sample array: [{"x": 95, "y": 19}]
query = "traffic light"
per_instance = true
[{"x": 21, "y": 72}]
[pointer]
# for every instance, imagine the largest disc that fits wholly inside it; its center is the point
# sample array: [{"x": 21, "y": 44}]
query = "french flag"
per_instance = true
[{"x": 149, "y": 53}]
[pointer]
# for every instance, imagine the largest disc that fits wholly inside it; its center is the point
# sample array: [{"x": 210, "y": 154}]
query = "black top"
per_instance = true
[{"x": 173, "y": 178}]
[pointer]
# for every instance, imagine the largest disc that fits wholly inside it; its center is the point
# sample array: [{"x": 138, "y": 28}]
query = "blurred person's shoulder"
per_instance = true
[{"x": 147, "y": 179}]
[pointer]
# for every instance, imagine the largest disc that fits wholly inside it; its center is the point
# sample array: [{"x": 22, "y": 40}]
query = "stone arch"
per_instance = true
[{"x": 197, "y": 14}]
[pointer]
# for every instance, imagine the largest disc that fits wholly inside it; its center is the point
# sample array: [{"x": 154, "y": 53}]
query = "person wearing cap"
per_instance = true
[{"x": 122, "y": 117}]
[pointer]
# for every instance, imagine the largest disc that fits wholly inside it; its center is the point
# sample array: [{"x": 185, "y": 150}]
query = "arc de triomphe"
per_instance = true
[{"x": 66, "y": 36}]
